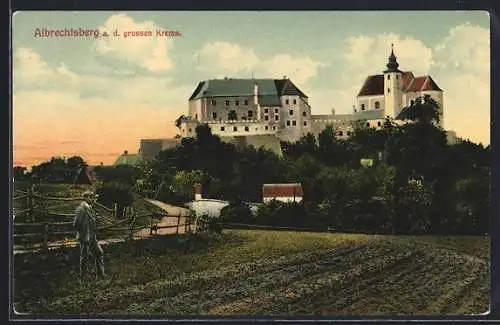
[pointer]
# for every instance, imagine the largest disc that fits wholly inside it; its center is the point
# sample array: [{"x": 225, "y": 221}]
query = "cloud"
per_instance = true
[
  {"x": 466, "y": 48},
  {"x": 30, "y": 71},
  {"x": 228, "y": 58},
  {"x": 463, "y": 71},
  {"x": 92, "y": 114},
  {"x": 362, "y": 56},
  {"x": 148, "y": 52},
  {"x": 370, "y": 53}
]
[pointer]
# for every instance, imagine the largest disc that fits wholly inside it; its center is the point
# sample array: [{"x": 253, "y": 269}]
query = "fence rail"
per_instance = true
[{"x": 45, "y": 231}]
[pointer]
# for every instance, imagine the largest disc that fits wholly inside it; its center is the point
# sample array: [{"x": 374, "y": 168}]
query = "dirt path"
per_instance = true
[{"x": 173, "y": 213}]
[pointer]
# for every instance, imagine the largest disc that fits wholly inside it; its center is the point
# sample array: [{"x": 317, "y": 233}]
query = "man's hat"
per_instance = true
[{"x": 90, "y": 194}]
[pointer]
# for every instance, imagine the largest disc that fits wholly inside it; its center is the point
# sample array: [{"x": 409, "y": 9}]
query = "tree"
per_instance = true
[
  {"x": 179, "y": 120},
  {"x": 19, "y": 173},
  {"x": 423, "y": 109}
]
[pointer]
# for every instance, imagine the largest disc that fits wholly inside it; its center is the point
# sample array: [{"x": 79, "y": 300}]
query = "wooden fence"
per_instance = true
[{"x": 42, "y": 233}]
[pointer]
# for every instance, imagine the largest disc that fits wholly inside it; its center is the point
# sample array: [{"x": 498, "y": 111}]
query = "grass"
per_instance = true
[{"x": 265, "y": 273}]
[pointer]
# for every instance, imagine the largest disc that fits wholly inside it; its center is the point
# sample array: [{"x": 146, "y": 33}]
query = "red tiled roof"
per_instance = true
[
  {"x": 282, "y": 190},
  {"x": 407, "y": 78},
  {"x": 430, "y": 85},
  {"x": 417, "y": 84},
  {"x": 374, "y": 85}
]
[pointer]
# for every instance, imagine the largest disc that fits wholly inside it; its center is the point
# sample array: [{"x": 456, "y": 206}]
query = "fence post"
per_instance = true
[
  {"x": 178, "y": 223},
  {"x": 46, "y": 236},
  {"x": 115, "y": 211},
  {"x": 29, "y": 203}
]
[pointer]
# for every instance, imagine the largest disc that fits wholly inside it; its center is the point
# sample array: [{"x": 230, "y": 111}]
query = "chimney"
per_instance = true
[
  {"x": 125, "y": 152},
  {"x": 197, "y": 191},
  {"x": 333, "y": 111},
  {"x": 256, "y": 94}
]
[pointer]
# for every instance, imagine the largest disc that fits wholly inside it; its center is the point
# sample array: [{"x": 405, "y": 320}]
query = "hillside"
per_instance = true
[{"x": 266, "y": 273}]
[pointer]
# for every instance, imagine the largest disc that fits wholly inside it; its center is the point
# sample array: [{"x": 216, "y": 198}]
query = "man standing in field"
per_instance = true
[{"x": 85, "y": 224}]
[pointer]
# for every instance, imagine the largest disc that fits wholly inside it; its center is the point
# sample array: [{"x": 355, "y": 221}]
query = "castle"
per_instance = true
[
  {"x": 263, "y": 112},
  {"x": 277, "y": 107}
]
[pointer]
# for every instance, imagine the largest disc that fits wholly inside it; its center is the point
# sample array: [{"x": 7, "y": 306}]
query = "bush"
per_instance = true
[
  {"x": 282, "y": 214},
  {"x": 111, "y": 193},
  {"x": 237, "y": 212}
]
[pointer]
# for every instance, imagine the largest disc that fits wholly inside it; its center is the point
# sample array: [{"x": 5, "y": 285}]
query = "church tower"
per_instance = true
[{"x": 393, "y": 81}]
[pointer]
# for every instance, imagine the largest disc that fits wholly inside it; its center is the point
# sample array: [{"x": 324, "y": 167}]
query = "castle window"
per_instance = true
[
  {"x": 305, "y": 123},
  {"x": 214, "y": 102},
  {"x": 397, "y": 76},
  {"x": 214, "y": 115},
  {"x": 294, "y": 101},
  {"x": 196, "y": 116},
  {"x": 266, "y": 127},
  {"x": 266, "y": 118},
  {"x": 348, "y": 133},
  {"x": 274, "y": 128},
  {"x": 227, "y": 103},
  {"x": 237, "y": 103},
  {"x": 368, "y": 124},
  {"x": 266, "y": 110},
  {"x": 244, "y": 118},
  {"x": 291, "y": 112},
  {"x": 286, "y": 101},
  {"x": 246, "y": 128},
  {"x": 341, "y": 133},
  {"x": 190, "y": 130},
  {"x": 288, "y": 123},
  {"x": 294, "y": 123},
  {"x": 246, "y": 102},
  {"x": 388, "y": 90},
  {"x": 362, "y": 107},
  {"x": 276, "y": 117},
  {"x": 250, "y": 113},
  {"x": 411, "y": 102},
  {"x": 377, "y": 105},
  {"x": 379, "y": 123},
  {"x": 235, "y": 128},
  {"x": 276, "y": 111},
  {"x": 304, "y": 113},
  {"x": 388, "y": 77},
  {"x": 222, "y": 128}
]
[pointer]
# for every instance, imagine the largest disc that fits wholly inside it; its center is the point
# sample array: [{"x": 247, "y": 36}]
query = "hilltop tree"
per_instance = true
[{"x": 423, "y": 109}]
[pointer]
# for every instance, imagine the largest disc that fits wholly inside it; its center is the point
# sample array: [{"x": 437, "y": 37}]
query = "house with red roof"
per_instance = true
[{"x": 287, "y": 192}]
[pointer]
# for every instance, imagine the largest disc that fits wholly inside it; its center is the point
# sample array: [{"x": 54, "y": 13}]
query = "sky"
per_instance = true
[{"x": 98, "y": 96}]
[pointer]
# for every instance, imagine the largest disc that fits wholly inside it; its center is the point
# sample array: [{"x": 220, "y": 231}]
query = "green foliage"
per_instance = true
[
  {"x": 237, "y": 211},
  {"x": 124, "y": 174},
  {"x": 119, "y": 193},
  {"x": 57, "y": 170},
  {"x": 20, "y": 173},
  {"x": 423, "y": 109},
  {"x": 338, "y": 192}
]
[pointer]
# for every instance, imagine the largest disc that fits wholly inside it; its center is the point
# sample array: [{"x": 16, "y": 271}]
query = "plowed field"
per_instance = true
[{"x": 266, "y": 273}]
